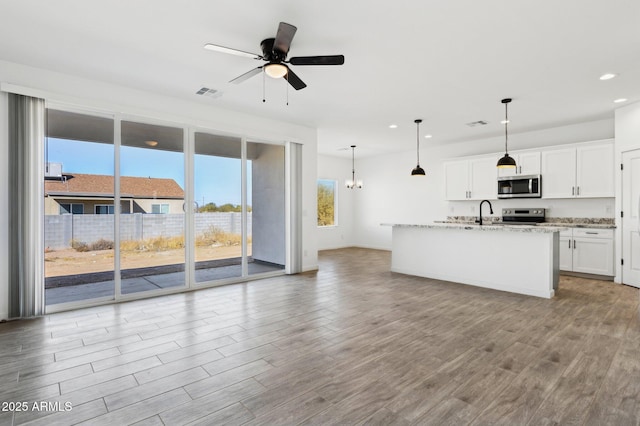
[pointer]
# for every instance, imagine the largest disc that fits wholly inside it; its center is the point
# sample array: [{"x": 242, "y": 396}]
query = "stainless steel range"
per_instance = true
[{"x": 523, "y": 216}]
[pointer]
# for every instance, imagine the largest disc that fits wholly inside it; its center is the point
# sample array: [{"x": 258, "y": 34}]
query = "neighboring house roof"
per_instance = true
[{"x": 85, "y": 185}]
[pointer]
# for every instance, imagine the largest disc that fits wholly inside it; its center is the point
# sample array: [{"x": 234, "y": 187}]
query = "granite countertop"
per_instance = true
[
  {"x": 538, "y": 229},
  {"x": 565, "y": 222},
  {"x": 581, "y": 225}
]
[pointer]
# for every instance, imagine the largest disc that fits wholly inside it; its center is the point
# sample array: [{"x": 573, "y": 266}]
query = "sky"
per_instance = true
[{"x": 217, "y": 179}]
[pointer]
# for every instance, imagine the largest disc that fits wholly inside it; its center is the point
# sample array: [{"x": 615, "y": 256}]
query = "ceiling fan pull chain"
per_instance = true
[
  {"x": 263, "y": 92},
  {"x": 287, "y": 89}
]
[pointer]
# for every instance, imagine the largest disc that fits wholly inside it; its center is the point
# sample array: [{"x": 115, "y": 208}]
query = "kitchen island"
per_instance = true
[{"x": 516, "y": 258}]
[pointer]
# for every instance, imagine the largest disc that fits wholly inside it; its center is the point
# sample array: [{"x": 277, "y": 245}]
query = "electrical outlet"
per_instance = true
[
  {"x": 608, "y": 209},
  {"x": 473, "y": 209},
  {"x": 451, "y": 210}
]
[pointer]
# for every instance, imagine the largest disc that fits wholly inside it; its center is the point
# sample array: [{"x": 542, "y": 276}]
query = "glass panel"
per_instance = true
[
  {"x": 266, "y": 203},
  {"x": 77, "y": 208},
  {"x": 105, "y": 209},
  {"x": 218, "y": 218},
  {"x": 152, "y": 254},
  {"x": 79, "y": 171}
]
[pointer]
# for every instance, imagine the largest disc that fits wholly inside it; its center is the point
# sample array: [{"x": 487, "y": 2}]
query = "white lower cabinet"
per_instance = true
[{"x": 587, "y": 250}]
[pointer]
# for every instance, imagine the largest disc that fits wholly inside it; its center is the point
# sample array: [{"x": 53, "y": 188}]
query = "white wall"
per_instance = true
[
  {"x": 4, "y": 216},
  {"x": 394, "y": 196},
  {"x": 90, "y": 94},
  {"x": 627, "y": 139},
  {"x": 341, "y": 235}
]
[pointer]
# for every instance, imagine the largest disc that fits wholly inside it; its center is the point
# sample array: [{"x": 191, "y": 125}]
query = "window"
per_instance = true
[
  {"x": 327, "y": 202},
  {"x": 160, "y": 208},
  {"x": 66, "y": 208},
  {"x": 104, "y": 209}
]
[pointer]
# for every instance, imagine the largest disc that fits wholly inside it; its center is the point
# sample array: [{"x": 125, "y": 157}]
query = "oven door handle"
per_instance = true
[{"x": 530, "y": 185}]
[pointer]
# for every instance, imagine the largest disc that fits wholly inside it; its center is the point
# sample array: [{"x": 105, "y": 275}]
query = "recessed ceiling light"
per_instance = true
[
  {"x": 607, "y": 76},
  {"x": 393, "y": 126},
  {"x": 428, "y": 136},
  {"x": 151, "y": 143},
  {"x": 620, "y": 100}
]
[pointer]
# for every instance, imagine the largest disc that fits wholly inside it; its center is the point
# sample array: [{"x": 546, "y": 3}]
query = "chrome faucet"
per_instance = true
[{"x": 479, "y": 221}]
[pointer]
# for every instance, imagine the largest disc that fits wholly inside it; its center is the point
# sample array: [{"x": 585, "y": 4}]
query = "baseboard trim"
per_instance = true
[{"x": 588, "y": 276}]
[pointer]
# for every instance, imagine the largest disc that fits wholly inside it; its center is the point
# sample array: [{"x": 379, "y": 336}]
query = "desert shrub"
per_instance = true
[
  {"x": 153, "y": 244},
  {"x": 217, "y": 237},
  {"x": 101, "y": 244},
  {"x": 79, "y": 246}
]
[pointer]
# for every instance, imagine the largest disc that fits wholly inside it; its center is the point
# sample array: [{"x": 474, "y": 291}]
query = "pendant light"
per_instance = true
[
  {"x": 418, "y": 171},
  {"x": 353, "y": 183},
  {"x": 506, "y": 161}
]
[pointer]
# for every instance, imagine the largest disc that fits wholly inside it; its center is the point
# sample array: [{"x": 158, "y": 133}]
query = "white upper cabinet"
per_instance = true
[
  {"x": 527, "y": 163},
  {"x": 456, "y": 176},
  {"x": 472, "y": 179},
  {"x": 578, "y": 172},
  {"x": 595, "y": 171},
  {"x": 483, "y": 182},
  {"x": 559, "y": 173}
]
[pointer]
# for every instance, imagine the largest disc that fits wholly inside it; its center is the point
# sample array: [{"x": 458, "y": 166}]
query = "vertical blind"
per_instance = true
[{"x": 26, "y": 201}]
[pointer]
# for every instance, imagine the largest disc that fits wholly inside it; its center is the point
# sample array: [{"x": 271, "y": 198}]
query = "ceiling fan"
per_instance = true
[{"x": 274, "y": 52}]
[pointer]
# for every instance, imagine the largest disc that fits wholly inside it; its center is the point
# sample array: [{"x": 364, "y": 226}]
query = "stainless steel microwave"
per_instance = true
[{"x": 520, "y": 186}]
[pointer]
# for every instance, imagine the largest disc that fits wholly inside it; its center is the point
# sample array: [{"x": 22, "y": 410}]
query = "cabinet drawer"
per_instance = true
[{"x": 593, "y": 233}]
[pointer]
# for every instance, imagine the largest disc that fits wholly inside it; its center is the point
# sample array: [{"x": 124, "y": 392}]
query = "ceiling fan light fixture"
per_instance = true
[{"x": 275, "y": 70}]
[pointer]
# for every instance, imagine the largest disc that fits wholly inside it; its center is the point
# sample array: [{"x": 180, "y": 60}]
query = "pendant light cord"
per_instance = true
[
  {"x": 418, "y": 141},
  {"x": 506, "y": 126},
  {"x": 353, "y": 164}
]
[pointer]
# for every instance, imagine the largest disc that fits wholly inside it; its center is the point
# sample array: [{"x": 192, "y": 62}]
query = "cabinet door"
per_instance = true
[
  {"x": 456, "y": 180},
  {"x": 483, "y": 178},
  {"x": 558, "y": 173},
  {"x": 593, "y": 256},
  {"x": 566, "y": 254},
  {"x": 595, "y": 171},
  {"x": 529, "y": 163}
]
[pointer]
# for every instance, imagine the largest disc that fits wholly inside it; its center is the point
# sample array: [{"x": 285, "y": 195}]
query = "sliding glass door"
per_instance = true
[
  {"x": 152, "y": 196},
  {"x": 266, "y": 198},
  {"x": 218, "y": 213},
  {"x": 117, "y": 195},
  {"x": 79, "y": 177}
]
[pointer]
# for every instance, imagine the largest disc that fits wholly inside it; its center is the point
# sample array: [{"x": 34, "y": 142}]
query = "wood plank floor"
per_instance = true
[{"x": 351, "y": 344}]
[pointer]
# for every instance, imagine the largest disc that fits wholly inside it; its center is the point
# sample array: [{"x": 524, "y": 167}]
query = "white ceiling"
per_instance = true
[{"x": 448, "y": 62}]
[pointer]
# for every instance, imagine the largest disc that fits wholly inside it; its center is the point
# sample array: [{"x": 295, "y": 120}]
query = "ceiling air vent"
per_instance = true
[
  {"x": 212, "y": 93},
  {"x": 477, "y": 123}
]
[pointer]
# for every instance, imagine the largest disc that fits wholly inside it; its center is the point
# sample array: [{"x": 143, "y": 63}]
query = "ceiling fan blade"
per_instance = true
[
  {"x": 222, "y": 49},
  {"x": 284, "y": 36},
  {"x": 294, "y": 80},
  {"x": 246, "y": 76},
  {"x": 317, "y": 60}
]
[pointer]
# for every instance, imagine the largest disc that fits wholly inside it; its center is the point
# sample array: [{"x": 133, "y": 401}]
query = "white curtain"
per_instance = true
[{"x": 26, "y": 201}]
